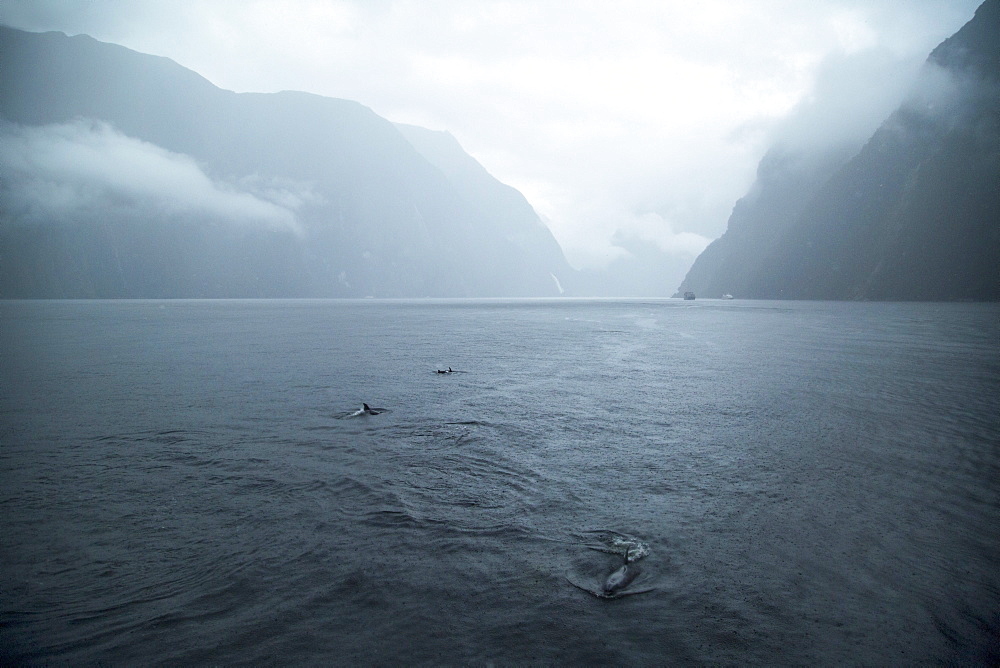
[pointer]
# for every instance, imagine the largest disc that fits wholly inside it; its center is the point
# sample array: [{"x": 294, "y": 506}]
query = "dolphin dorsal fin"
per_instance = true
[{"x": 367, "y": 408}]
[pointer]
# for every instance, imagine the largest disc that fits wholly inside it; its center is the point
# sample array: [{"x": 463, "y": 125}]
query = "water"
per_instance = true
[{"x": 189, "y": 482}]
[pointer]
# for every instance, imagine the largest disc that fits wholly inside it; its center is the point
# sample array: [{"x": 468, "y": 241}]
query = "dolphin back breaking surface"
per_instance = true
[{"x": 616, "y": 584}]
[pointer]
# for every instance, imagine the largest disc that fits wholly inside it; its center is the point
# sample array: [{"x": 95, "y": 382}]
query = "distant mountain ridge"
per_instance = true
[
  {"x": 285, "y": 194},
  {"x": 499, "y": 206},
  {"x": 913, "y": 215}
]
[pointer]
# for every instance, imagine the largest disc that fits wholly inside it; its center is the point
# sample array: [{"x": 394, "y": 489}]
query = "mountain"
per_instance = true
[
  {"x": 787, "y": 178},
  {"x": 914, "y": 214},
  {"x": 498, "y": 206},
  {"x": 127, "y": 175}
]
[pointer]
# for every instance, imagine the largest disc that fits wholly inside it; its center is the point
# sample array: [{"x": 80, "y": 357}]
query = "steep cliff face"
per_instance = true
[
  {"x": 913, "y": 215},
  {"x": 191, "y": 190},
  {"x": 502, "y": 212},
  {"x": 786, "y": 181}
]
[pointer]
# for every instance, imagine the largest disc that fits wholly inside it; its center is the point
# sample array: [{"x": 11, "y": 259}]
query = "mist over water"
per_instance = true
[{"x": 795, "y": 482}]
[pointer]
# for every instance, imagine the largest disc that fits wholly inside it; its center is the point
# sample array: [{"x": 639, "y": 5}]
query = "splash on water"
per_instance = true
[{"x": 625, "y": 577}]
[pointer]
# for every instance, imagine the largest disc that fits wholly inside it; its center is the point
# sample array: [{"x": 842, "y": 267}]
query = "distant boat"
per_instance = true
[
  {"x": 727, "y": 296},
  {"x": 689, "y": 295}
]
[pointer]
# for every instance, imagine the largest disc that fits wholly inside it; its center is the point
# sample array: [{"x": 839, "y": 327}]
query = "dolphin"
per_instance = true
[
  {"x": 615, "y": 585},
  {"x": 620, "y": 578},
  {"x": 368, "y": 410}
]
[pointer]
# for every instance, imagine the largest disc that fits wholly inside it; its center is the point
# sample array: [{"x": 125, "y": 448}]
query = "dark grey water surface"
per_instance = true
[{"x": 188, "y": 482}]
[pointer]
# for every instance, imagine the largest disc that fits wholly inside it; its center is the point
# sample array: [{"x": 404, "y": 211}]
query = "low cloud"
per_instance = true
[
  {"x": 606, "y": 233},
  {"x": 852, "y": 95},
  {"x": 85, "y": 170},
  {"x": 598, "y": 114},
  {"x": 652, "y": 228}
]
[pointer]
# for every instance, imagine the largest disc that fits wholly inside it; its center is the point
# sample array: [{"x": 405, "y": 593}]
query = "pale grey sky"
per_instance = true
[{"x": 644, "y": 118}]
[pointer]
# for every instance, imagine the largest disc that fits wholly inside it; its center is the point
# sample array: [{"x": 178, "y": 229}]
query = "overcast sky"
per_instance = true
[{"x": 644, "y": 119}]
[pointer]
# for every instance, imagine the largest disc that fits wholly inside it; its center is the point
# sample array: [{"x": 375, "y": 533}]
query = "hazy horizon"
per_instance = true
[{"x": 626, "y": 126}]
